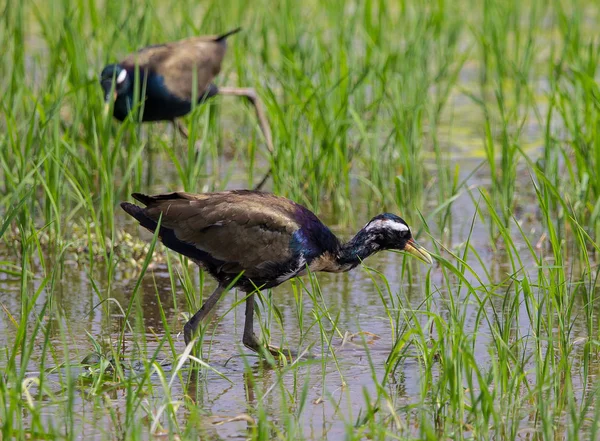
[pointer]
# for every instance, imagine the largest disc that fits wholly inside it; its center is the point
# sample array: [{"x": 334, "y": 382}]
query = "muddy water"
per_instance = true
[
  {"x": 353, "y": 297},
  {"x": 335, "y": 392}
]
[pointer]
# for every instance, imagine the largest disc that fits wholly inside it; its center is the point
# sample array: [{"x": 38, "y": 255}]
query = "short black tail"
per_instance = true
[
  {"x": 227, "y": 34},
  {"x": 148, "y": 200},
  {"x": 143, "y": 198},
  {"x": 166, "y": 235},
  {"x": 138, "y": 213}
]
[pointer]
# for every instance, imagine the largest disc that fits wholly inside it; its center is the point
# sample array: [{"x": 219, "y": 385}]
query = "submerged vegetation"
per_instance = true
[{"x": 478, "y": 120}]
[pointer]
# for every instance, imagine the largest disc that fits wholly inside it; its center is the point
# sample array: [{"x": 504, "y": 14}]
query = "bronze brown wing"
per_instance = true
[
  {"x": 181, "y": 61},
  {"x": 197, "y": 58},
  {"x": 246, "y": 230},
  {"x": 176, "y": 63}
]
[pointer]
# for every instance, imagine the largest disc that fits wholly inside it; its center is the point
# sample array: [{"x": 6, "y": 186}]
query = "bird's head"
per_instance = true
[
  {"x": 117, "y": 74},
  {"x": 390, "y": 232}
]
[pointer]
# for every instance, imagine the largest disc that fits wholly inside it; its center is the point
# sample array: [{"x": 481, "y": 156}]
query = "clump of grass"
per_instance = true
[{"x": 496, "y": 341}]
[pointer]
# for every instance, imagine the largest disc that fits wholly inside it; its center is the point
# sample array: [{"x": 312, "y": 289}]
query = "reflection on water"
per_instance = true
[{"x": 335, "y": 390}]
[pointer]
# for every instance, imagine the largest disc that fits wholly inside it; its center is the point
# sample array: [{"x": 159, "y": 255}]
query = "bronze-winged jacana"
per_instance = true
[
  {"x": 269, "y": 238},
  {"x": 167, "y": 74}
]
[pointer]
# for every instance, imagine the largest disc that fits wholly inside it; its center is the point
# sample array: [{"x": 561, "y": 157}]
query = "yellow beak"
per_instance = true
[
  {"x": 416, "y": 250},
  {"x": 107, "y": 102}
]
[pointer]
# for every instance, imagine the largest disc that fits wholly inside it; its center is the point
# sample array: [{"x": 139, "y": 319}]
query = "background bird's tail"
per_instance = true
[
  {"x": 147, "y": 200},
  {"x": 143, "y": 198},
  {"x": 227, "y": 34}
]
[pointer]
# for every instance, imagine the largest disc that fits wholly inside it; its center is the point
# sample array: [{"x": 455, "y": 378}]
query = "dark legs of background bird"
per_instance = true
[
  {"x": 263, "y": 181},
  {"x": 181, "y": 128},
  {"x": 252, "y": 96},
  {"x": 149, "y": 161},
  {"x": 191, "y": 326}
]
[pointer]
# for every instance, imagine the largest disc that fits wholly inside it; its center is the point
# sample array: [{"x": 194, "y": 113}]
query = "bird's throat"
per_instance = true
[{"x": 356, "y": 250}]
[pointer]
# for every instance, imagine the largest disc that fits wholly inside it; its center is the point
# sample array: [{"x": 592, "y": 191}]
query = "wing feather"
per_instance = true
[
  {"x": 178, "y": 63},
  {"x": 246, "y": 230},
  {"x": 194, "y": 58}
]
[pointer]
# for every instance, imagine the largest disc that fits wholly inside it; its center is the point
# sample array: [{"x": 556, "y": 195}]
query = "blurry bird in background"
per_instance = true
[{"x": 171, "y": 76}]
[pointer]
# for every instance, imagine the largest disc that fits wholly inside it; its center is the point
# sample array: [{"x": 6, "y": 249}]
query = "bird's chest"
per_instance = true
[
  {"x": 158, "y": 104},
  {"x": 164, "y": 108},
  {"x": 295, "y": 268},
  {"x": 153, "y": 109},
  {"x": 163, "y": 103},
  {"x": 326, "y": 262}
]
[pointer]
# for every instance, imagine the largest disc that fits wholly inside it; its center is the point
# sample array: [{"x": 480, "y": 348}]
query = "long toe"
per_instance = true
[{"x": 287, "y": 353}]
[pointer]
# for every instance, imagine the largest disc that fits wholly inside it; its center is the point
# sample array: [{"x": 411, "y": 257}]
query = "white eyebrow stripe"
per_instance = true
[
  {"x": 122, "y": 76},
  {"x": 386, "y": 223}
]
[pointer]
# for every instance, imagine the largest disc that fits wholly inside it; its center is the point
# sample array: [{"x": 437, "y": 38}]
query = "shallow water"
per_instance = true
[
  {"x": 335, "y": 391},
  {"x": 363, "y": 338}
]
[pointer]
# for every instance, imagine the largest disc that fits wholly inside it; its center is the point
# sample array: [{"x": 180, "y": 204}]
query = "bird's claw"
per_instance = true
[{"x": 285, "y": 352}]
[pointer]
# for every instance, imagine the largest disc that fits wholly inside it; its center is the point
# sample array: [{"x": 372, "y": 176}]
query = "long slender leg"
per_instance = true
[
  {"x": 249, "y": 338},
  {"x": 192, "y": 325},
  {"x": 253, "y": 97},
  {"x": 263, "y": 180},
  {"x": 251, "y": 341},
  {"x": 181, "y": 128}
]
